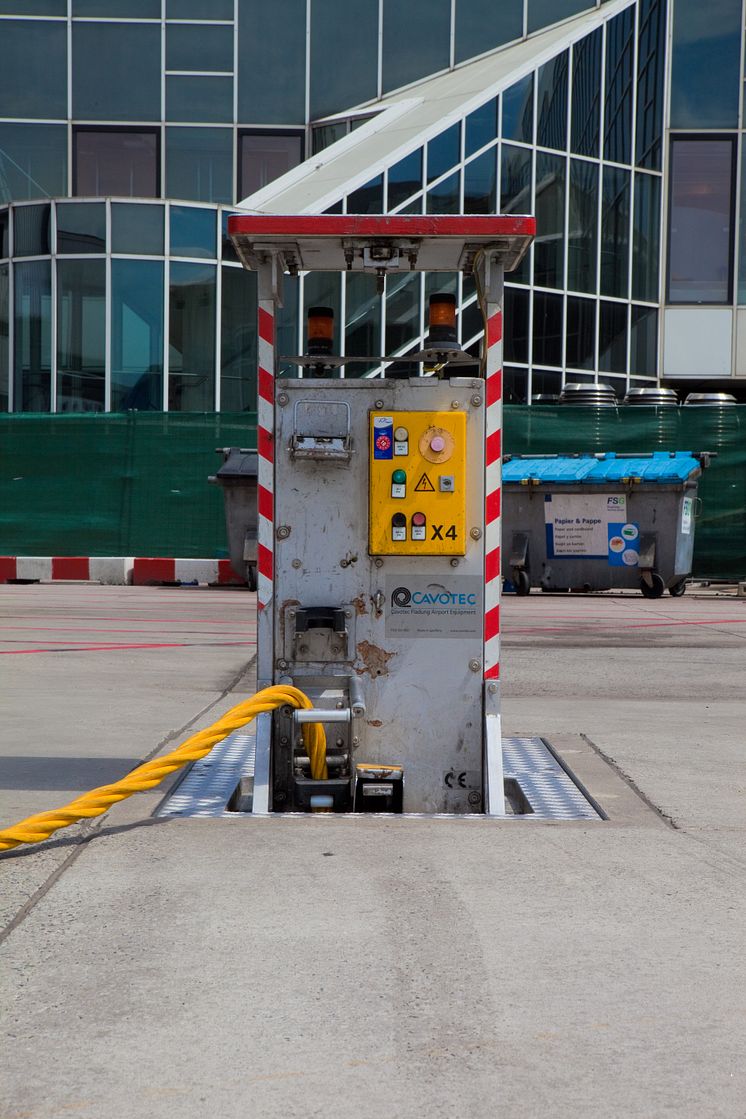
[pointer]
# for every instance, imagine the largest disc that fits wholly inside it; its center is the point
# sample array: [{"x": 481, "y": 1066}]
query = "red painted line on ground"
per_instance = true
[
  {"x": 79, "y": 648},
  {"x": 632, "y": 625},
  {"x": 93, "y": 629}
]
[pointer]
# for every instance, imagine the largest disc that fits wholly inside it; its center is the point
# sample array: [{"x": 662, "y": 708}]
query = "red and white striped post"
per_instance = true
[
  {"x": 492, "y": 277},
  {"x": 265, "y": 489}
]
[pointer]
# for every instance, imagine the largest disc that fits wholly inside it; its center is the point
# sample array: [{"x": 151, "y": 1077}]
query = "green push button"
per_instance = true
[{"x": 399, "y": 478}]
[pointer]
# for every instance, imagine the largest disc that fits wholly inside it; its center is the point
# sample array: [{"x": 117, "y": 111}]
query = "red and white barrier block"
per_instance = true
[{"x": 117, "y": 570}]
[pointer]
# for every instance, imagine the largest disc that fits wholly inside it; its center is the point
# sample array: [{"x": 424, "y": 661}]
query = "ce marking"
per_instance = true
[{"x": 455, "y": 780}]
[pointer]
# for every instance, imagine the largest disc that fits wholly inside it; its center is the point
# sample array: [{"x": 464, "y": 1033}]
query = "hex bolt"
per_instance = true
[
  {"x": 291, "y": 613},
  {"x": 282, "y": 664},
  {"x": 283, "y": 399},
  {"x": 476, "y": 400},
  {"x": 455, "y": 404},
  {"x": 348, "y": 613},
  {"x": 344, "y": 563},
  {"x": 284, "y": 741},
  {"x": 379, "y": 403},
  {"x": 492, "y": 688},
  {"x": 339, "y": 705},
  {"x": 474, "y": 798},
  {"x": 454, "y": 562},
  {"x": 283, "y": 532},
  {"x": 379, "y": 562},
  {"x": 356, "y": 741},
  {"x": 476, "y": 534},
  {"x": 475, "y": 666},
  {"x": 297, "y": 563}
]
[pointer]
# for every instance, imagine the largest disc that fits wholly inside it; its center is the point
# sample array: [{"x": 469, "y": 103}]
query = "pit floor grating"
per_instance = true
[{"x": 206, "y": 788}]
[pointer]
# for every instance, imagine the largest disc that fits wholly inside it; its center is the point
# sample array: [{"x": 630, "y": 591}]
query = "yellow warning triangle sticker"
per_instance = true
[{"x": 424, "y": 485}]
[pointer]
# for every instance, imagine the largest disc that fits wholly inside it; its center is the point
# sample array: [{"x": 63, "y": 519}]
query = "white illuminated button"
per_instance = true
[
  {"x": 437, "y": 444},
  {"x": 401, "y": 435}
]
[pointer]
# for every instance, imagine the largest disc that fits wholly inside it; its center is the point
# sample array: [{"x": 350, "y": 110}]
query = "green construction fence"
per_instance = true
[{"x": 135, "y": 484}]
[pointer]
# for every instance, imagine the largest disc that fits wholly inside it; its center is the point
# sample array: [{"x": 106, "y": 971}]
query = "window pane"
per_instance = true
[
  {"x": 646, "y": 238},
  {"x": 4, "y": 233},
  {"x": 197, "y": 47},
  {"x": 551, "y": 103},
  {"x": 105, "y": 58},
  {"x": 136, "y": 229},
  {"x": 515, "y": 385},
  {"x": 480, "y": 184},
  {"x": 4, "y": 328},
  {"x": 192, "y": 231},
  {"x": 271, "y": 40},
  {"x": 644, "y": 342},
  {"x": 404, "y": 178},
  {"x": 651, "y": 59},
  {"x": 416, "y": 40},
  {"x": 482, "y": 25},
  {"x": 33, "y": 68},
  {"x": 32, "y": 336},
  {"x": 34, "y": 7},
  {"x": 265, "y": 156},
  {"x": 115, "y": 162},
  {"x": 481, "y": 127},
  {"x": 620, "y": 33},
  {"x": 543, "y": 12},
  {"x": 81, "y": 227},
  {"x": 701, "y": 221},
  {"x": 550, "y": 220},
  {"x": 197, "y": 9},
  {"x": 130, "y": 9},
  {"x": 515, "y": 195},
  {"x": 705, "y": 64},
  {"x": 546, "y": 383},
  {"x": 402, "y": 310},
  {"x": 444, "y": 198},
  {"x": 367, "y": 199},
  {"x": 81, "y": 335},
  {"x": 326, "y": 134},
  {"x": 581, "y": 333},
  {"x": 199, "y": 164},
  {"x": 199, "y": 98},
  {"x": 31, "y": 231},
  {"x": 191, "y": 338},
  {"x": 547, "y": 328},
  {"x": 136, "y": 335},
  {"x": 518, "y": 111},
  {"x": 443, "y": 152},
  {"x": 586, "y": 95},
  {"x": 582, "y": 228},
  {"x": 344, "y": 68},
  {"x": 516, "y": 324},
  {"x": 33, "y": 161},
  {"x": 363, "y": 319},
  {"x": 238, "y": 344},
  {"x": 615, "y": 232},
  {"x": 287, "y": 324},
  {"x": 471, "y": 322},
  {"x": 612, "y": 343}
]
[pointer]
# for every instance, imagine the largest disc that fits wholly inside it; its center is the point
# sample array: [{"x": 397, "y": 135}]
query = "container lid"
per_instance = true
[{"x": 652, "y": 469}]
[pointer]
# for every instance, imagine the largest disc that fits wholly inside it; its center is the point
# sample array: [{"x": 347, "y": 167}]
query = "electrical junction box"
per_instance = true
[{"x": 417, "y": 483}]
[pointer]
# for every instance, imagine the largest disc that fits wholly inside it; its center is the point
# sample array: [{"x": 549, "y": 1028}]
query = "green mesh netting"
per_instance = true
[
  {"x": 136, "y": 484},
  {"x": 115, "y": 485}
]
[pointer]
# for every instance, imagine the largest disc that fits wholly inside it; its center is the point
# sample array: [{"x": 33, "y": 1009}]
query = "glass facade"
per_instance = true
[{"x": 131, "y": 297}]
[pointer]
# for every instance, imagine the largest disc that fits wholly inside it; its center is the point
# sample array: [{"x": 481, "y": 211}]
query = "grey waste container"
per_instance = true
[
  {"x": 237, "y": 477},
  {"x": 598, "y": 522}
]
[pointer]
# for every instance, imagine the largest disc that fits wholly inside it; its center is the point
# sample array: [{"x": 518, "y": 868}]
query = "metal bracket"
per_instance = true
[
  {"x": 319, "y": 634},
  {"x": 321, "y": 431}
]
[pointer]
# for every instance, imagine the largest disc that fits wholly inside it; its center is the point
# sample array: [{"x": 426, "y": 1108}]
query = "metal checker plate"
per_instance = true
[
  {"x": 542, "y": 780},
  {"x": 208, "y": 785}
]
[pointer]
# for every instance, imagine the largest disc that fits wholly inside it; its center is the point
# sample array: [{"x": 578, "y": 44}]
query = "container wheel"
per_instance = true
[
  {"x": 521, "y": 581},
  {"x": 251, "y": 576},
  {"x": 654, "y": 591},
  {"x": 678, "y": 588}
]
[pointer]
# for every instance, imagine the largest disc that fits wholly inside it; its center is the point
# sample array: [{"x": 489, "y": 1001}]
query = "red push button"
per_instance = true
[{"x": 419, "y": 526}]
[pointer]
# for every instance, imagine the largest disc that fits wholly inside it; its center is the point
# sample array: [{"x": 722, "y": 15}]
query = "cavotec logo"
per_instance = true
[{"x": 435, "y": 595}]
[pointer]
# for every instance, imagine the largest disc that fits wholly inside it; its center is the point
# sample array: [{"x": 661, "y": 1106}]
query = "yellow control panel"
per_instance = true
[{"x": 417, "y": 491}]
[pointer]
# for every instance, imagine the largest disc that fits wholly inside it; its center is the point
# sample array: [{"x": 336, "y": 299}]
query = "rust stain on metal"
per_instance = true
[
  {"x": 374, "y": 722},
  {"x": 359, "y": 604},
  {"x": 374, "y": 658}
]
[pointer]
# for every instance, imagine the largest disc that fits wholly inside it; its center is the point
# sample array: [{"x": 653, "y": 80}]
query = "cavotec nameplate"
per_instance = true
[{"x": 422, "y": 606}]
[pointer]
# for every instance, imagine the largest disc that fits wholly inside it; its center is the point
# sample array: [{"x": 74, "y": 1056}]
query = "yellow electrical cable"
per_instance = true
[{"x": 94, "y": 803}]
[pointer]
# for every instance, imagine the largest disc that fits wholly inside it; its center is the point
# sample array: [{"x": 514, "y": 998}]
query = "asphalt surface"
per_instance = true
[{"x": 407, "y": 967}]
